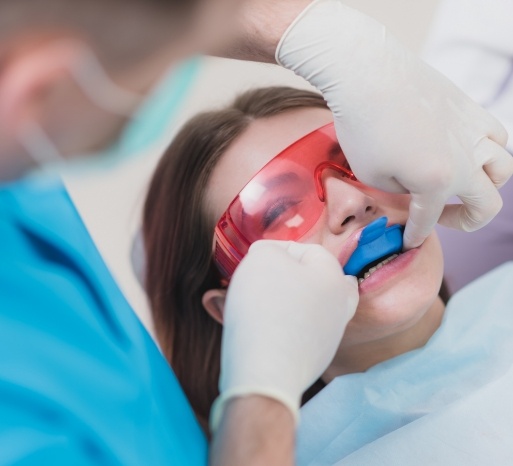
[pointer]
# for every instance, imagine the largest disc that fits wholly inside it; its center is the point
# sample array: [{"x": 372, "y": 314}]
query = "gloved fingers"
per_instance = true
[
  {"x": 425, "y": 210},
  {"x": 479, "y": 207},
  {"x": 295, "y": 251},
  {"x": 352, "y": 299},
  {"x": 495, "y": 130},
  {"x": 313, "y": 255},
  {"x": 382, "y": 181},
  {"x": 308, "y": 254},
  {"x": 497, "y": 161},
  {"x": 263, "y": 244}
]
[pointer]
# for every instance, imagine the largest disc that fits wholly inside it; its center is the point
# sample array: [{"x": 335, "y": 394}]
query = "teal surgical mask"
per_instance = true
[{"x": 149, "y": 122}]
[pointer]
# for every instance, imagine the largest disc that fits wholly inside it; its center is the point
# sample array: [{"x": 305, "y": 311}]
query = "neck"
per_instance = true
[{"x": 362, "y": 356}]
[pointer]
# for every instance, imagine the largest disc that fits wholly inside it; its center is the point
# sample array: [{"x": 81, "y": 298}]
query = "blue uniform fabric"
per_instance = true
[
  {"x": 471, "y": 350},
  {"x": 81, "y": 380}
]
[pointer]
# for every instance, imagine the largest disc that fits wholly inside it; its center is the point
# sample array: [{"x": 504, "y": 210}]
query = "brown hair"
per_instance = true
[
  {"x": 178, "y": 234},
  {"x": 178, "y": 237}
]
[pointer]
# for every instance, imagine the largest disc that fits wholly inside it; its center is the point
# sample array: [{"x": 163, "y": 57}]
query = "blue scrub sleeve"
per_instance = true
[{"x": 81, "y": 381}]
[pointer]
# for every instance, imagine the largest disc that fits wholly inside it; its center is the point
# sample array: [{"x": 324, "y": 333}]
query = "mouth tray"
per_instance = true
[{"x": 377, "y": 241}]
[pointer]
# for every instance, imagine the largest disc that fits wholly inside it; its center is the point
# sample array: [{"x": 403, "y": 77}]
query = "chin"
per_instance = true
[{"x": 395, "y": 303}]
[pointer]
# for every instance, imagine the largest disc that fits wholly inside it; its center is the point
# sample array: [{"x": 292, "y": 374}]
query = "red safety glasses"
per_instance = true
[{"x": 282, "y": 201}]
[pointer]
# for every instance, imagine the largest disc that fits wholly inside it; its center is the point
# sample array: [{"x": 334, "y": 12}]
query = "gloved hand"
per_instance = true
[
  {"x": 285, "y": 313},
  {"x": 402, "y": 125}
]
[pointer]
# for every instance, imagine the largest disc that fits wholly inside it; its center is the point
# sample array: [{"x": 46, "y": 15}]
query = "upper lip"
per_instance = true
[{"x": 349, "y": 246}]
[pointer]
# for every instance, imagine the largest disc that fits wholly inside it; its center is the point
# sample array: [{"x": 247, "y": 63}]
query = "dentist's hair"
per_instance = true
[
  {"x": 178, "y": 236},
  {"x": 121, "y": 31}
]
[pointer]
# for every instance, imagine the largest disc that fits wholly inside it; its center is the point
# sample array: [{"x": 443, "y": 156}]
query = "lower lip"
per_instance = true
[{"x": 388, "y": 272}]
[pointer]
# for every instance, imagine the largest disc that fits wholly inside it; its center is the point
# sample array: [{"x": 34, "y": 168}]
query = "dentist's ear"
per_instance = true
[{"x": 213, "y": 302}]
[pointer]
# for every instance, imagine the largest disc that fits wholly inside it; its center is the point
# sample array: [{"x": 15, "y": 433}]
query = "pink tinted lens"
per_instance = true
[{"x": 282, "y": 201}]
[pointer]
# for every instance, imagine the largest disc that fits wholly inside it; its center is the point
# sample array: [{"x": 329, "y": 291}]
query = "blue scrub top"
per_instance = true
[{"x": 81, "y": 380}]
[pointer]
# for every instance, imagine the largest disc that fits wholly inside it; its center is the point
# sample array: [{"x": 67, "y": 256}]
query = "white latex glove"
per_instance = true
[
  {"x": 402, "y": 125},
  {"x": 286, "y": 311}
]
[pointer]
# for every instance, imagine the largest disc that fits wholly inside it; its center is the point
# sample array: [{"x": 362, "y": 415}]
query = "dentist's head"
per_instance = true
[{"x": 73, "y": 71}]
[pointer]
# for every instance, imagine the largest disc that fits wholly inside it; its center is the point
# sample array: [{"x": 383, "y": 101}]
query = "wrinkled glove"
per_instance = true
[
  {"x": 286, "y": 311},
  {"x": 403, "y": 126}
]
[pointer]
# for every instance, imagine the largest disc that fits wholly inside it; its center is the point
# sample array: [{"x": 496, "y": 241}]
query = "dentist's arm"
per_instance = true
[
  {"x": 254, "y": 430},
  {"x": 286, "y": 311},
  {"x": 403, "y": 126}
]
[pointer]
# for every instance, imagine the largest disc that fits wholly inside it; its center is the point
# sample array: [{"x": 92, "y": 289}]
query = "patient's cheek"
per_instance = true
[{"x": 403, "y": 304}]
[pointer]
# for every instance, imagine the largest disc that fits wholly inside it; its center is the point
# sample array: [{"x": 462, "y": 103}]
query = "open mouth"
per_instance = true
[
  {"x": 371, "y": 267},
  {"x": 378, "y": 245}
]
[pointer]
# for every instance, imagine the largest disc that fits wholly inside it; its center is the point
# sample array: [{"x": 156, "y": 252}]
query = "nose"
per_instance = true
[{"x": 347, "y": 205}]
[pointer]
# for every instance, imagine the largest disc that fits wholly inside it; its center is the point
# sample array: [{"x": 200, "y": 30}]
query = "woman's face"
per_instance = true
[{"x": 393, "y": 298}]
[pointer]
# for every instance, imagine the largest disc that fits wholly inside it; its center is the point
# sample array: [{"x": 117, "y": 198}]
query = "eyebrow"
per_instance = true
[{"x": 280, "y": 179}]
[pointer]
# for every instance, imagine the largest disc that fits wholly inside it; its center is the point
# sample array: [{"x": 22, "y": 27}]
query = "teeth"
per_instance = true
[{"x": 376, "y": 267}]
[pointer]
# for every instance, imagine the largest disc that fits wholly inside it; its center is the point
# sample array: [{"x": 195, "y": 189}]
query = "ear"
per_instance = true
[
  {"x": 30, "y": 72},
  {"x": 213, "y": 302}
]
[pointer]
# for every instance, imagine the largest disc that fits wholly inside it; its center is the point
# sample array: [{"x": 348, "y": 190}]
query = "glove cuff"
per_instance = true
[
  {"x": 291, "y": 26},
  {"x": 216, "y": 413}
]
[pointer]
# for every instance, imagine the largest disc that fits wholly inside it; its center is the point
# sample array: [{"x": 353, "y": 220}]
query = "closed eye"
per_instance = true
[{"x": 277, "y": 210}]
